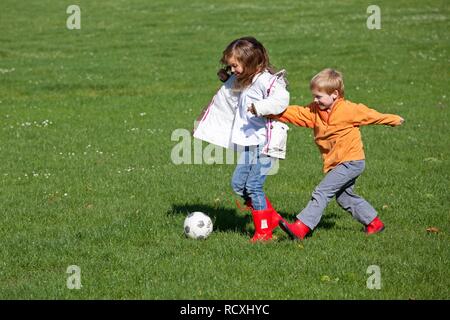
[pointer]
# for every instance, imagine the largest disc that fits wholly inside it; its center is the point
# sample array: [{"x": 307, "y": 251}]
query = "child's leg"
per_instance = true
[
  {"x": 248, "y": 181},
  {"x": 250, "y": 175},
  {"x": 265, "y": 218},
  {"x": 359, "y": 208},
  {"x": 256, "y": 179},
  {"x": 241, "y": 173},
  {"x": 334, "y": 181}
]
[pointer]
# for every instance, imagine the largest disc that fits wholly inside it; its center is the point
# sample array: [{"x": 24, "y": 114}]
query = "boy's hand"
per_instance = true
[
  {"x": 252, "y": 109},
  {"x": 399, "y": 123}
]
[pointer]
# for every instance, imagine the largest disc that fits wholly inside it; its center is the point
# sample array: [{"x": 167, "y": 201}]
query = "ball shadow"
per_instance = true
[{"x": 223, "y": 219}]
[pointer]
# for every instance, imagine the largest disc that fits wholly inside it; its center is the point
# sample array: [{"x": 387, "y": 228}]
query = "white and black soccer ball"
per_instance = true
[{"x": 197, "y": 225}]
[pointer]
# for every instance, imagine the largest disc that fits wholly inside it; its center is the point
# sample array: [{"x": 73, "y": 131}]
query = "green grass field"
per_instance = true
[{"x": 86, "y": 119}]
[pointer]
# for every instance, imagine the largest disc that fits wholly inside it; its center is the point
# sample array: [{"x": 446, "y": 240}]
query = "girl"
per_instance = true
[{"x": 251, "y": 86}]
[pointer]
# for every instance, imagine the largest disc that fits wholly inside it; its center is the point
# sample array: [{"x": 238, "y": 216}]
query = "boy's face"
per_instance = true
[
  {"x": 323, "y": 99},
  {"x": 235, "y": 65}
]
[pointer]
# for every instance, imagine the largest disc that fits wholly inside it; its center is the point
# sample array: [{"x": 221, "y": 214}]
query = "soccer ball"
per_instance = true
[{"x": 197, "y": 225}]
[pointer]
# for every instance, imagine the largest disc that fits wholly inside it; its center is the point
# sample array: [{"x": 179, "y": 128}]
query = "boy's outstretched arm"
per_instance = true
[
  {"x": 363, "y": 115},
  {"x": 300, "y": 116}
]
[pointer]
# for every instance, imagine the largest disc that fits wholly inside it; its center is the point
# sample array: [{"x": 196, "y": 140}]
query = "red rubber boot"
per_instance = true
[
  {"x": 262, "y": 222},
  {"x": 375, "y": 226},
  {"x": 297, "y": 230},
  {"x": 276, "y": 217}
]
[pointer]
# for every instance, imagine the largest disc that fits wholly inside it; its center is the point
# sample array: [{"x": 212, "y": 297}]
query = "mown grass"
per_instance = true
[{"x": 87, "y": 178}]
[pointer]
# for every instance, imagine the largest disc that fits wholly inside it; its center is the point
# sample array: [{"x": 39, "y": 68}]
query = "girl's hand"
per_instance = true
[{"x": 223, "y": 75}]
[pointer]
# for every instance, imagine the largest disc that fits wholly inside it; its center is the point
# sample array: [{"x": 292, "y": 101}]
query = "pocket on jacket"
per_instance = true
[{"x": 276, "y": 140}]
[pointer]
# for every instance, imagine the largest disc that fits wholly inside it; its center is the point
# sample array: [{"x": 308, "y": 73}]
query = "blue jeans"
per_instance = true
[{"x": 250, "y": 175}]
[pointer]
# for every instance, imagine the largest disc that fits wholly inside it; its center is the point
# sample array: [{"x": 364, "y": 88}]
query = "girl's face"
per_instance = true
[{"x": 236, "y": 66}]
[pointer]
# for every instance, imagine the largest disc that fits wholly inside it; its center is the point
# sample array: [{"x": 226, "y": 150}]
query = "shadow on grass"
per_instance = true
[
  {"x": 223, "y": 219},
  {"x": 231, "y": 220},
  {"x": 328, "y": 221}
]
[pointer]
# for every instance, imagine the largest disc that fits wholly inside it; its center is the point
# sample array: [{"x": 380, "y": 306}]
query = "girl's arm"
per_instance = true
[
  {"x": 300, "y": 116},
  {"x": 363, "y": 115},
  {"x": 228, "y": 83},
  {"x": 276, "y": 101}
]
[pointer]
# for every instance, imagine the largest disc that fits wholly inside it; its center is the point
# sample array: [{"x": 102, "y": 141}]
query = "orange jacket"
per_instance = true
[{"x": 336, "y": 133}]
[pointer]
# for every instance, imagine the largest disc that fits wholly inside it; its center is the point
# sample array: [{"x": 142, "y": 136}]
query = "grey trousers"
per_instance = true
[{"x": 338, "y": 182}]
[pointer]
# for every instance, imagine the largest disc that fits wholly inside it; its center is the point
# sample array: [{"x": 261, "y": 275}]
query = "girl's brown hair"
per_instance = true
[{"x": 253, "y": 57}]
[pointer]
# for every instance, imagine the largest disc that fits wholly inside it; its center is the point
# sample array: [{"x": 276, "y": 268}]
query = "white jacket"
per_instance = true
[{"x": 226, "y": 121}]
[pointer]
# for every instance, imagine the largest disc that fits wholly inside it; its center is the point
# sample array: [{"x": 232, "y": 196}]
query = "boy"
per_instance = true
[{"x": 336, "y": 125}]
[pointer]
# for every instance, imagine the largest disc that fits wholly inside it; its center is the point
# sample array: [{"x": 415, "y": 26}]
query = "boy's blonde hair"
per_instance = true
[{"x": 328, "y": 80}]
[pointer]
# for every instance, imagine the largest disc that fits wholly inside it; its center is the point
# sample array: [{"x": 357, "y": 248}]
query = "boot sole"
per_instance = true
[
  {"x": 277, "y": 224},
  {"x": 286, "y": 229}
]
